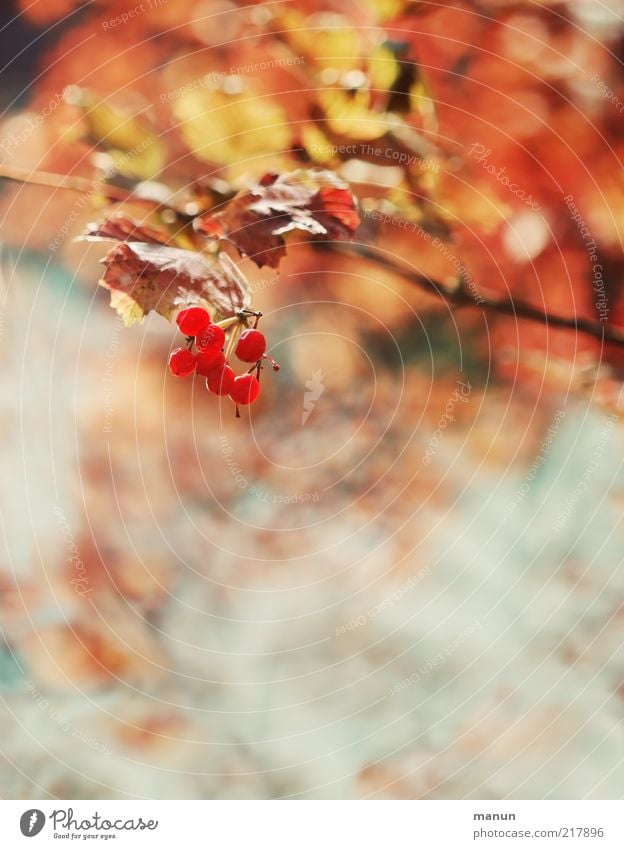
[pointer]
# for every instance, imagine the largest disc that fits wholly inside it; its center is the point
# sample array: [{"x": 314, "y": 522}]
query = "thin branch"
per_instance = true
[
  {"x": 457, "y": 297},
  {"x": 461, "y": 298},
  {"x": 82, "y": 185}
]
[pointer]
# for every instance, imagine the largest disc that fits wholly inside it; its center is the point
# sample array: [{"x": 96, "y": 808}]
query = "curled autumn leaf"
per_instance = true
[
  {"x": 120, "y": 228},
  {"x": 143, "y": 277},
  {"x": 258, "y": 218}
]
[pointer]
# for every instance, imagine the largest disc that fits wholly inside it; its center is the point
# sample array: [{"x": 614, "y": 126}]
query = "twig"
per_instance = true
[
  {"x": 59, "y": 181},
  {"x": 457, "y": 297},
  {"x": 461, "y": 298}
]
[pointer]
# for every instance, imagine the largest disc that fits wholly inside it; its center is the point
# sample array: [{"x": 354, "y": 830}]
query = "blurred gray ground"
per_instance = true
[{"x": 454, "y": 644}]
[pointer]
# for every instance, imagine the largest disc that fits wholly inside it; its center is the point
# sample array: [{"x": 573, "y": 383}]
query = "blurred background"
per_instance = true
[{"x": 399, "y": 575}]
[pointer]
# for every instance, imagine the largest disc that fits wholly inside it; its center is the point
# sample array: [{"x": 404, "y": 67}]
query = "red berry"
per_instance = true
[
  {"x": 220, "y": 380},
  {"x": 251, "y": 346},
  {"x": 245, "y": 389},
  {"x": 182, "y": 362},
  {"x": 210, "y": 337},
  {"x": 208, "y": 359},
  {"x": 192, "y": 320}
]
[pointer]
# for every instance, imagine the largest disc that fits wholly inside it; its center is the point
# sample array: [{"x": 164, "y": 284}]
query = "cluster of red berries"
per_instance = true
[{"x": 209, "y": 358}]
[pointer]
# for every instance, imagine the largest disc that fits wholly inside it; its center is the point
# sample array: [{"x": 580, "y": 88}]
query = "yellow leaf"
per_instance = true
[
  {"x": 317, "y": 145},
  {"x": 348, "y": 115},
  {"x": 326, "y": 39},
  {"x": 383, "y": 68},
  {"x": 232, "y": 127},
  {"x": 385, "y": 10},
  {"x": 422, "y": 103},
  {"x": 128, "y": 309},
  {"x": 134, "y": 149}
]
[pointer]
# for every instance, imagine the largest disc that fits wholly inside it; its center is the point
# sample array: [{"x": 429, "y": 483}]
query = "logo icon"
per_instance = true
[
  {"x": 31, "y": 822},
  {"x": 315, "y": 387}
]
